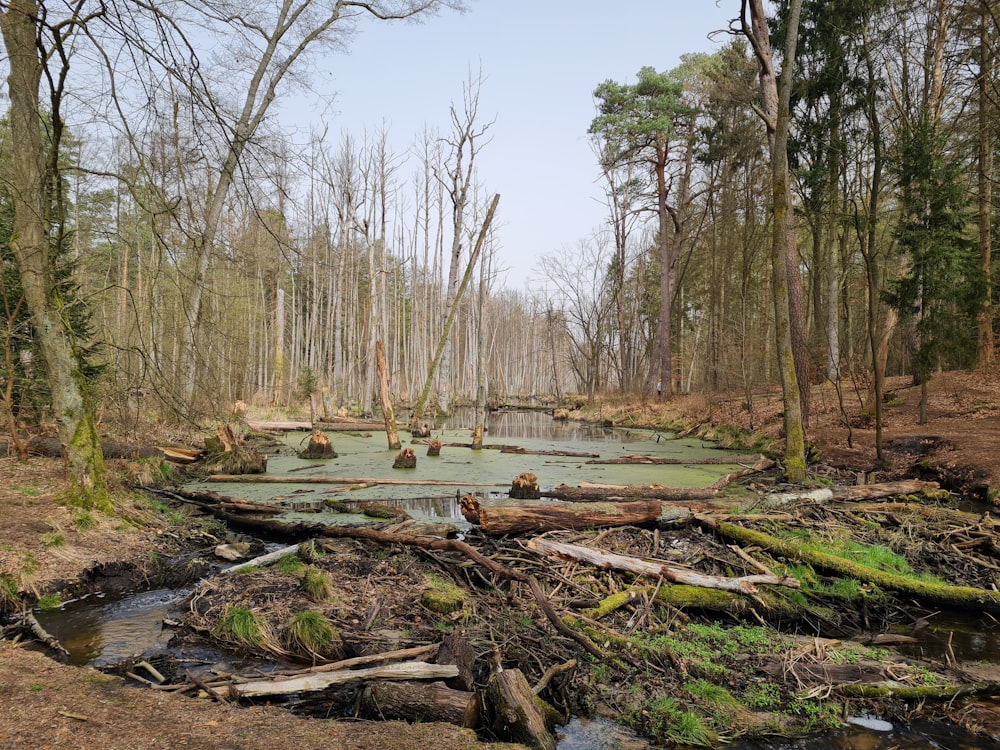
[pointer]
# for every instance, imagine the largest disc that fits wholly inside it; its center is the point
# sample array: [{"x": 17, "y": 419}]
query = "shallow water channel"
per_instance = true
[{"x": 101, "y": 632}]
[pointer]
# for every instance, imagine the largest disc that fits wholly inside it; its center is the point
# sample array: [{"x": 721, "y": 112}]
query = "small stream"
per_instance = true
[{"x": 102, "y": 632}]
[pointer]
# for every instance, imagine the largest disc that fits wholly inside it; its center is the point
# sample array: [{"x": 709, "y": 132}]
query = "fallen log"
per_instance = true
[
  {"x": 410, "y": 670},
  {"x": 209, "y": 500},
  {"x": 853, "y": 492},
  {"x": 588, "y": 492},
  {"x": 751, "y": 458},
  {"x": 498, "y": 520},
  {"x": 656, "y": 569},
  {"x": 938, "y": 594},
  {"x": 414, "y": 701},
  {"x": 344, "y": 425},
  {"x": 284, "y": 479},
  {"x": 519, "y": 714},
  {"x": 525, "y": 451}
]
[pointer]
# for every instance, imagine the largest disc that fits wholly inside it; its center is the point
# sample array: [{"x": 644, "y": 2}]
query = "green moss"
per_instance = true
[
  {"x": 49, "y": 601},
  {"x": 442, "y": 596},
  {"x": 290, "y": 564}
]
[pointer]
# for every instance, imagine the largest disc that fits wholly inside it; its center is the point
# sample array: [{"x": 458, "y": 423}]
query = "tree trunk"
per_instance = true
[
  {"x": 783, "y": 253},
  {"x": 414, "y": 701},
  {"x": 71, "y": 402},
  {"x": 383, "y": 387},
  {"x": 518, "y": 714},
  {"x": 497, "y": 520}
]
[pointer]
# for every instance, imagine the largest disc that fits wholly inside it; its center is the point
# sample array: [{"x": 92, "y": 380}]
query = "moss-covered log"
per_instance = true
[{"x": 938, "y": 594}]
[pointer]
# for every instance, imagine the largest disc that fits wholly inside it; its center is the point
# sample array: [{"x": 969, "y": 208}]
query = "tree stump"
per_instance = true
[
  {"x": 519, "y": 714},
  {"x": 433, "y": 447},
  {"x": 525, "y": 487},
  {"x": 406, "y": 459},
  {"x": 420, "y": 430},
  {"x": 319, "y": 447}
]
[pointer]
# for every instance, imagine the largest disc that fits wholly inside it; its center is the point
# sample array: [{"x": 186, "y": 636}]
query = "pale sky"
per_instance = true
[{"x": 540, "y": 60}]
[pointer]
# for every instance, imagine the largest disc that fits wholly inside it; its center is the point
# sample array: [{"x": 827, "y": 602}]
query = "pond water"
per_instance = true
[
  {"x": 102, "y": 632},
  {"x": 460, "y": 470}
]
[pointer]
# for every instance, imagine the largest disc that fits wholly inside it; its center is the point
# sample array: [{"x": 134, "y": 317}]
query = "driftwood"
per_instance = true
[
  {"x": 414, "y": 701},
  {"x": 497, "y": 520},
  {"x": 285, "y": 479},
  {"x": 708, "y": 460},
  {"x": 656, "y": 569},
  {"x": 409, "y": 670},
  {"x": 519, "y": 714},
  {"x": 853, "y": 492}
]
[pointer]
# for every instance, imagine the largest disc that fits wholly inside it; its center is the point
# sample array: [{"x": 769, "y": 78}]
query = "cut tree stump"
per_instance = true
[
  {"x": 518, "y": 714},
  {"x": 525, "y": 487},
  {"x": 319, "y": 447}
]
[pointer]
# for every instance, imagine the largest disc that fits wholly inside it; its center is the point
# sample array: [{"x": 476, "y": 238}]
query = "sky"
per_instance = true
[{"x": 540, "y": 61}]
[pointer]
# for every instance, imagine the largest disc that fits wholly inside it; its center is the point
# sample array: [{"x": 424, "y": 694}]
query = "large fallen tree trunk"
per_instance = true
[
  {"x": 751, "y": 458},
  {"x": 498, "y": 520},
  {"x": 410, "y": 670},
  {"x": 414, "y": 701},
  {"x": 938, "y": 594},
  {"x": 656, "y": 569},
  {"x": 854, "y": 492},
  {"x": 586, "y": 492}
]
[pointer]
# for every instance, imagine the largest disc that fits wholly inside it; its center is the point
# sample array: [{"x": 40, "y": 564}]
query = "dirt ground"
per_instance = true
[{"x": 43, "y": 543}]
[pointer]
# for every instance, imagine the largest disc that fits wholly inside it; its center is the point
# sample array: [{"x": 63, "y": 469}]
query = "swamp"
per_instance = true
[{"x": 731, "y": 611}]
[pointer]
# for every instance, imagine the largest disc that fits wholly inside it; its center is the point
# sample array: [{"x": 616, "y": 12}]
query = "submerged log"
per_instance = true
[
  {"x": 519, "y": 714},
  {"x": 498, "y": 520},
  {"x": 414, "y": 701},
  {"x": 656, "y": 569},
  {"x": 587, "y": 492},
  {"x": 705, "y": 460}
]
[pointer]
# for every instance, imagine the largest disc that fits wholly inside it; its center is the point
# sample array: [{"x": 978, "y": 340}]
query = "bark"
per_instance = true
[
  {"x": 656, "y": 569},
  {"x": 500, "y": 520},
  {"x": 414, "y": 701}
]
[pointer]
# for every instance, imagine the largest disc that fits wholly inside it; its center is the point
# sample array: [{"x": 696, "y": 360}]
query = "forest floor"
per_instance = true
[{"x": 46, "y": 546}]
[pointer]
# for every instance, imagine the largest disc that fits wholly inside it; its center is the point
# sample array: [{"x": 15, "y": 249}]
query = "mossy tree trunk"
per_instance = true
[{"x": 71, "y": 402}]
